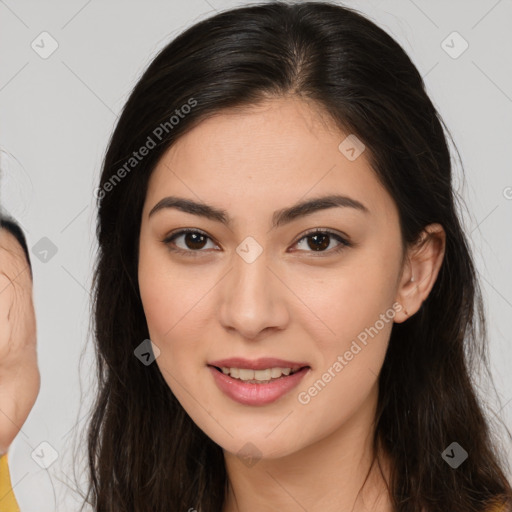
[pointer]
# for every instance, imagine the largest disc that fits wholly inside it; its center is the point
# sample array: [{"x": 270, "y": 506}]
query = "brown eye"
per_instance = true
[
  {"x": 319, "y": 241},
  {"x": 194, "y": 240},
  {"x": 191, "y": 241}
]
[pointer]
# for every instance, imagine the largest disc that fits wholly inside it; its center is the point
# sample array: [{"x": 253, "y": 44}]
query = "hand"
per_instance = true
[{"x": 19, "y": 374}]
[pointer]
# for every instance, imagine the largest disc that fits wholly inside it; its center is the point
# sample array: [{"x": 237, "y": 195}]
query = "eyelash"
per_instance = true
[{"x": 194, "y": 253}]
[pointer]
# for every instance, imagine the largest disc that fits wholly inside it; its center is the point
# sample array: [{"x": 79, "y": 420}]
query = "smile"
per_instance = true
[{"x": 257, "y": 387}]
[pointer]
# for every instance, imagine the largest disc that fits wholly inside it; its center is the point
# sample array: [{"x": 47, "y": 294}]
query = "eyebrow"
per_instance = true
[{"x": 279, "y": 218}]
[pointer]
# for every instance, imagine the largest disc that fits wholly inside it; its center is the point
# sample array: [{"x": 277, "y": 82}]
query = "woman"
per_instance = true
[
  {"x": 284, "y": 296},
  {"x": 19, "y": 374}
]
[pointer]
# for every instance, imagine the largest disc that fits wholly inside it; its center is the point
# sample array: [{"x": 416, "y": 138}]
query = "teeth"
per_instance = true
[
  {"x": 275, "y": 372},
  {"x": 256, "y": 375}
]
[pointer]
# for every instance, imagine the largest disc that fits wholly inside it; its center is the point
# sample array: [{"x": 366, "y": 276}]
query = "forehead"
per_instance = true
[{"x": 277, "y": 151}]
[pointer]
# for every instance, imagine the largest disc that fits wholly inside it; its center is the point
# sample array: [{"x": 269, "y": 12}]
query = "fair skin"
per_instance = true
[
  {"x": 291, "y": 302},
  {"x": 19, "y": 374}
]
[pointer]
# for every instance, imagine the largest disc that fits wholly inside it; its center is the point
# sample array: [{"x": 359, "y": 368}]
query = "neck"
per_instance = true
[{"x": 332, "y": 474}]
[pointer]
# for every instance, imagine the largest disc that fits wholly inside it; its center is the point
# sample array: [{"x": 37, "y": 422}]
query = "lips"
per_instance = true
[
  {"x": 258, "y": 364},
  {"x": 259, "y": 394}
]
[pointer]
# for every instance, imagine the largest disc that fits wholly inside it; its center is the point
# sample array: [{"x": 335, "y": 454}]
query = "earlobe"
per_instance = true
[{"x": 423, "y": 262}]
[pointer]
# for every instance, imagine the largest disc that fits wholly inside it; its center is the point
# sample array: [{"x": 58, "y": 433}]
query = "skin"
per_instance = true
[
  {"x": 19, "y": 373},
  {"x": 292, "y": 302}
]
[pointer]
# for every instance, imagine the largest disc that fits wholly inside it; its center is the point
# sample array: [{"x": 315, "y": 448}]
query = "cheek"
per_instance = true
[
  {"x": 174, "y": 302},
  {"x": 351, "y": 343},
  {"x": 169, "y": 308},
  {"x": 350, "y": 318},
  {"x": 336, "y": 308}
]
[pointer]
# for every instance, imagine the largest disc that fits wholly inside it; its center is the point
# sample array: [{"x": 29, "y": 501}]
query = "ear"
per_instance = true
[{"x": 420, "y": 270}]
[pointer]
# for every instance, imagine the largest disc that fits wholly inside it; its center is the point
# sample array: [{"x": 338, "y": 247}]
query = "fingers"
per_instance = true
[
  {"x": 19, "y": 374},
  {"x": 17, "y": 326}
]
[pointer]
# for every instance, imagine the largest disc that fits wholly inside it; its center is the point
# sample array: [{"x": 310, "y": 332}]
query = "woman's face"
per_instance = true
[{"x": 261, "y": 286}]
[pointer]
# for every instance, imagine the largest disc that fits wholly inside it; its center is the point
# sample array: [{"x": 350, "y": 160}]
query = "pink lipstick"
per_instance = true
[{"x": 252, "y": 392}]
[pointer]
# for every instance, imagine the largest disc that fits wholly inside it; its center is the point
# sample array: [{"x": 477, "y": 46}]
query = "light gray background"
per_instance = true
[{"x": 55, "y": 120}]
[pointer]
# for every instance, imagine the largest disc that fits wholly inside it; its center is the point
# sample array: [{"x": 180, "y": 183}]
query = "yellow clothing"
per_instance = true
[
  {"x": 7, "y": 499},
  {"x": 498, "y": 508}
]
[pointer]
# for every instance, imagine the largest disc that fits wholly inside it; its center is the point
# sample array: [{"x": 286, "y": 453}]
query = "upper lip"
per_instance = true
[{"x": 256, "y": 364}]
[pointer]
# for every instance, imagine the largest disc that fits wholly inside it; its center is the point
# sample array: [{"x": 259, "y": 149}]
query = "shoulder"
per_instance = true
[
  {"x": 500, "y": 507},
  {"x": 8, "y": 500}
]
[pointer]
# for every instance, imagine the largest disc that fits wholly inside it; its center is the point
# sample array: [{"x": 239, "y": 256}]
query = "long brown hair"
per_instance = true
[{"x": 144, "y": 451}]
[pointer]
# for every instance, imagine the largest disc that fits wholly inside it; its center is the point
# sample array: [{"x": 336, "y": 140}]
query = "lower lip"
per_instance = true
[{"x": 256, "y": 394}]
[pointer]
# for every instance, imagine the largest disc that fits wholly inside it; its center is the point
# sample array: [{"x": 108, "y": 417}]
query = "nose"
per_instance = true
[{"x": 253, "y": 298}]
